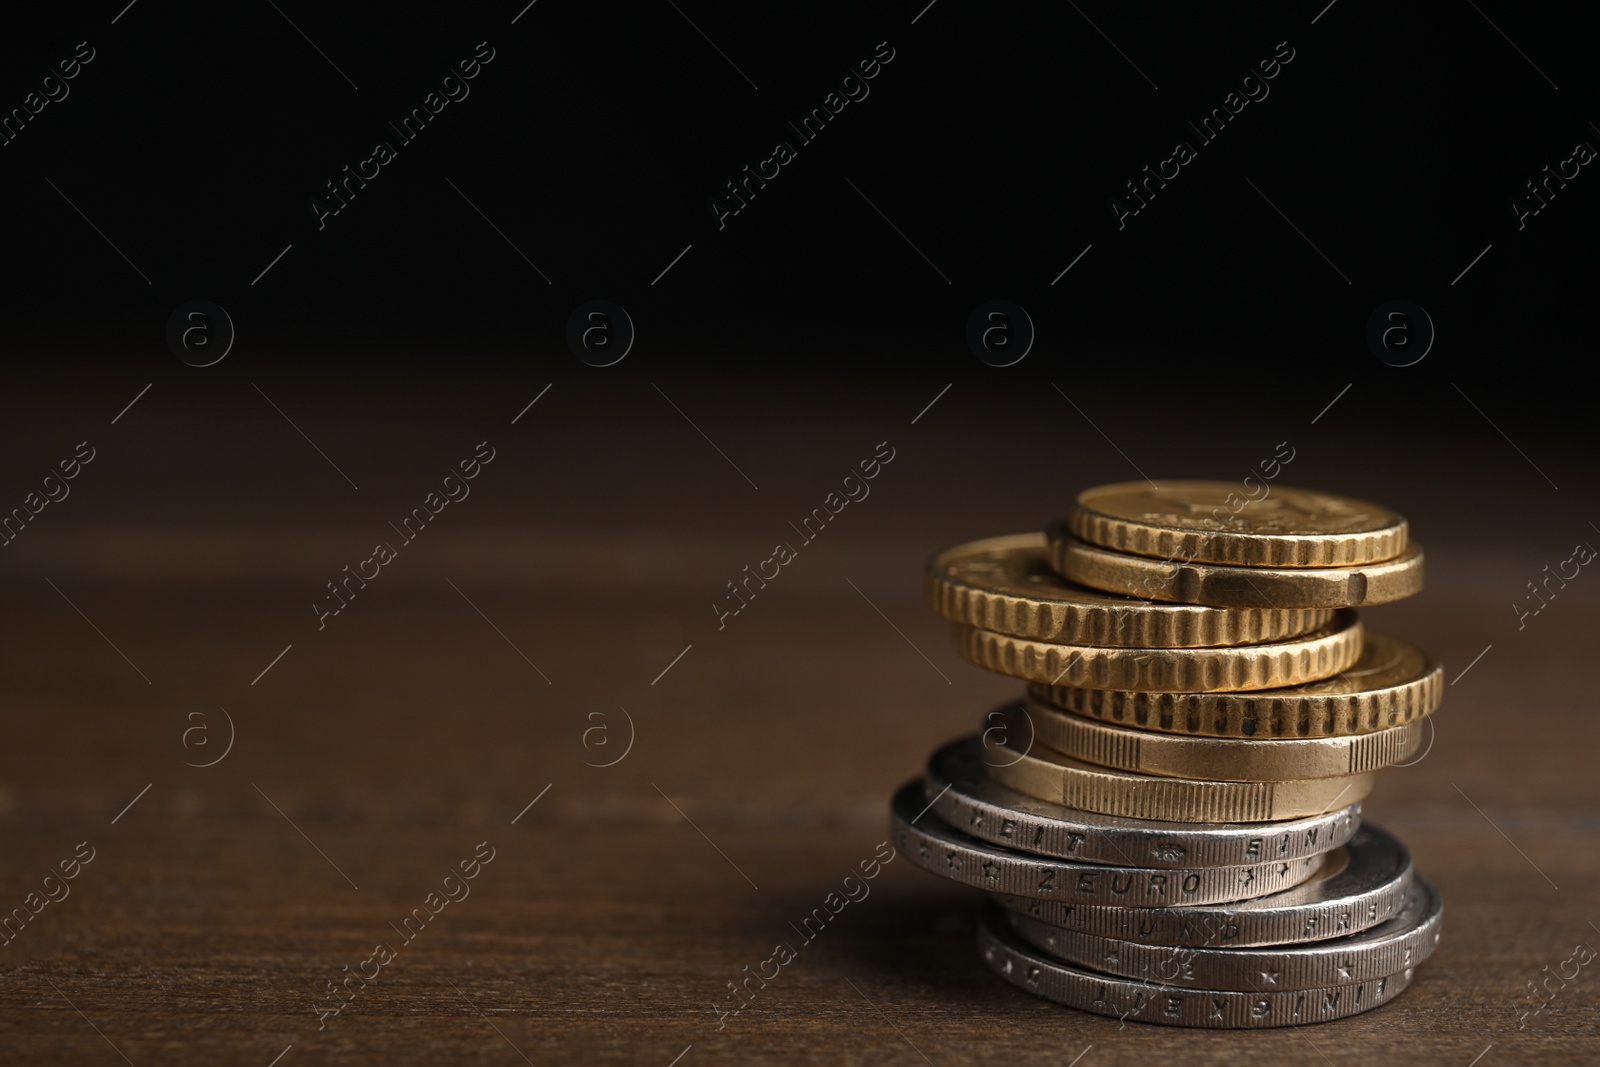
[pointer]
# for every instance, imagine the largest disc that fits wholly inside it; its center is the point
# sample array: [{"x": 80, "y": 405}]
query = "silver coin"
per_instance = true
[
  {"x": 1388, "y": 948},
  {"x": 1128, "y": 998},
  {"x": 963, "y": 796},
  {"x": 1360, "y": 885},
  {"x": 935, "y": 846}
]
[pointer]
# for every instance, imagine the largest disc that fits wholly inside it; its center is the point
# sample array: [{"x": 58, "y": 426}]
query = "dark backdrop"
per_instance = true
[{"x": 1390, "y": 149}]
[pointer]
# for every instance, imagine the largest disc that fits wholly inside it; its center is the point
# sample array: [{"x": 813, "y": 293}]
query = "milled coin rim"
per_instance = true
[
  {"x": 1220, "y": 758},
  {"x": 1271, "y": 665},
  {"x": 960, "y": 791},
  {"x": 1240, "y": 548},
  {"x": 1067, "y": 613},
  {"x": 1048, "y": 775},
  {"x": 1289, "y": 712}
]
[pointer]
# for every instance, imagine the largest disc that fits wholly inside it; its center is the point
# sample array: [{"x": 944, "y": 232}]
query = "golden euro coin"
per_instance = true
[
  {"x": 1215, "y": 759},
  {"x": 1236, "y": 587},
  {"x": 1390, "y": 684},
  {"x": 1045, "y": 775},
  {"x": 1005, "y": 584},
  {"x": 1234, "y": 523},
  {"x": 1320, "y": 654}
]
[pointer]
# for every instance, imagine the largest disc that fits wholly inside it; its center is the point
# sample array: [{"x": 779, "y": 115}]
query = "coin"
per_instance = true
[
  {"x": 1127, "y": 998},
  {"x": 1236, "y": 587},
  {"x": 1005, "y": 584},
  {"x": 958, "y": 787},
  {"x": 1147, "y": 752},
  {"x": 1046, "y": 775},
  {"x": 935, "y": 846},
  {"x": 1388, "y": 948},
  {"x": 1359, "y": 886},
  {"x": 1226, "y": 522},
  {"x": 1390, "y": 684},
  {"x": 1320, "y": 654}
]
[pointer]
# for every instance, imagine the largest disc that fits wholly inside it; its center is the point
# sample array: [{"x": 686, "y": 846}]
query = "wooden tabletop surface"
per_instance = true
[{"x": 561, "y": 615}]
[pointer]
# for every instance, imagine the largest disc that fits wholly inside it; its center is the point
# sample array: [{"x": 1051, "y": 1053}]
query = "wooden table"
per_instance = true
[{"x": 449, "y": 704}]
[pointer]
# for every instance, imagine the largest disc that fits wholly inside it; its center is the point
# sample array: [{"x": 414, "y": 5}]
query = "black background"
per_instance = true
[{"x": 1395, "y": 140}]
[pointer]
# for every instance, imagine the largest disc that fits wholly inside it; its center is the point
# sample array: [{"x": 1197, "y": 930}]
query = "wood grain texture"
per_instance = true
[{"x": 620, "y": 905}]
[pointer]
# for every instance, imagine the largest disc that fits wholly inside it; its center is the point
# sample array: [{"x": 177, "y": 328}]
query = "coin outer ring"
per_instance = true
[
  {"x": 1235, "y": 587},
  {"x": 963, "y": 796},
  {"x": 1064, "y": 613},
  {"x": 1145, "y": 752},
  {"x": 938, "y": 848},
  {"x": 1239, "y": 548},
  {"x": 1296, "y": 661},
  {"x": 1045, "y": 775},
  {"x": 1370, "y": 889},
  {"x": 1297, "y": 711},
  {"x": 1017, "y": 962},
  {"x": 1386, "y": 949}
]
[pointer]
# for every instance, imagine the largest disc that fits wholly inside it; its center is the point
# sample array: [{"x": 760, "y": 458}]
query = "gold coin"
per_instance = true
[
  {"x": 1236, "y": 587},
  {"x": 1229, "y": 522},
  {"x": 1044, "y": 775},
  {"x": 1321, "y": 654},
  {"x": 1207, "y": 758},
  {"x": 1006, "y": 584},
  {"x": 1390, "y": 684}
]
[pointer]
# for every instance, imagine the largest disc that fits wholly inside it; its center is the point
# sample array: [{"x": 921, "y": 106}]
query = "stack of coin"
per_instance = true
[{"x": 1169, "y": 820}]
